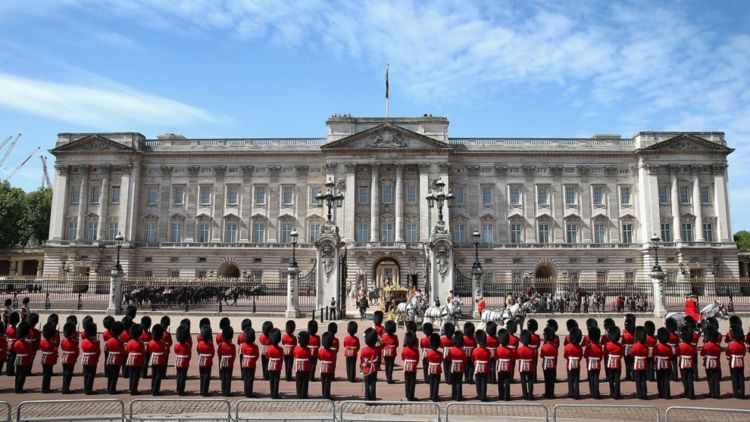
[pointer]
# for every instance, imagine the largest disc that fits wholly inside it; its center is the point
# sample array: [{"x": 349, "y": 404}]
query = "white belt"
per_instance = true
[
  {"x": 157, "y": 353},
  {"x": 84, "y": 353},
  {"x": 182, "y": 356},
  {"x": 205, "y": 355}
]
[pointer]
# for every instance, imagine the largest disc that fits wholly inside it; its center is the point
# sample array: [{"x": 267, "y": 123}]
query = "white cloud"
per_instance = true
[{"x": 97, "y": 104}]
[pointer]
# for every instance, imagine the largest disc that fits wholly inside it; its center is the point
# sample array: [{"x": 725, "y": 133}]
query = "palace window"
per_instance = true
[
  {"x": 705, "y": 194},
  {"x": 287, "y": 195},
  {"x": 624, "y": 195},
  {"x": 515, "y": 195},
  {"x": 363, "y": 195},
  {"x": 597, "y": 193},
  {"x": 685, "y": 194},
  {"x": 544, "y": 233},
  {"x": 627, "y": 233},
  {"x": 458, "y": 196},
  {"x": 150, "y": 234},
  {"x": 363, "y": 232},
  {"x": 233, "y": 195},
  {"x": 411, "y": 232},
  {"x": 259, "y": 233},
  {"x": 260, "y": 195},
  {"x": 515, "y": 233},
  {"x": 570, "y": 195},
  {"x": 230, "y": 232},
  {"x": 72, "y": 230},
  {"x": 314, "y": 191},
  {"x": 542, "y": 195},
  {"x": 488, "y": 233},
  {"x": 687, "y": 232},
  {"x": 179, "y": 195},
  {"x": 115, "y": 194},
  {"x": 203, "y": 232},
  {"x": 75, "y": 195},
  {"x": 411, "y": 195},
  {"x": 708, "y": 232},
  {"x": 666, "y": 232},
  {"x": 600, "y": 233},
  {"x": 93, "y": 227},
  {"x": 94, "y": 195},
  {"x": 571, "y": 233},
  {"x": 387, "y": 232},
  {"x": 286, "y": 233},
  {"x": 387, "y": 194},
  {"x": 486, "y": 195},
  {"x": 176, "y": 232},
  {"x": 112, "y": 232},
  {"x": 458, "y": 233},
  {"x": 314, "y": 232},
  {"x": 152, "y": 195},
  {"x": 204, "y": 195},
  {"x": 664, "y": 194}
]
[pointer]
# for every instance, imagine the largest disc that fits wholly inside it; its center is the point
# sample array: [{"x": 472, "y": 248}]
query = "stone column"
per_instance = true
[
  {"x": 104, "y": 205},
  {"x": 660, "y": 308},
  {"x": 191, "y": 205},
  {"x": 697, "y": 206},
  {"x": 399, "y": 202},
  {"x": 164, "y": 201},
  {"x": 441, "y": 267},
  {"x": 126, "y": 199},
  {"x": 115, "y": 293},
  {"x": 350, "y": 205},
  {"x": 374, "y": 203},
  {"x": 217, "y": 223},
  {"x": 327, "y": 277},
  {"x": 424, "y": 211},
  {"x": 292, "y": 303},
  {"x": 82, "y": 202},
  {"x": 721, "y": 200},
  {"x": 246, "y": 207},
  {"x": 274, "y": 204},
  {"x": 476, "y": 291},
  {"x": 676, "y": 229},
  {"x": 132, "y": 203},
  {"x": 59, "y": 204}
]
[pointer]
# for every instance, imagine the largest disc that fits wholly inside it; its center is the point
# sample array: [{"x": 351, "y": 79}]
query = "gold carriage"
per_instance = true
[{"x": 391, "y": 297}]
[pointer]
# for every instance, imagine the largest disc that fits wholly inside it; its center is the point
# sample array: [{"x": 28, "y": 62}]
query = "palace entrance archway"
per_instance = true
[
  {"x": 545, "y": 277},
  {"x": 387, "y": 270},
  {"x": 229, "y": 271}
]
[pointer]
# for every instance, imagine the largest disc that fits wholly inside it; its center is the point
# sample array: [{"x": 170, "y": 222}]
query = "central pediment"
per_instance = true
[
  {"x": 387, "y": 136},
  {"x": 92, "y": 143},
  {"x": 686, "y": 143}
]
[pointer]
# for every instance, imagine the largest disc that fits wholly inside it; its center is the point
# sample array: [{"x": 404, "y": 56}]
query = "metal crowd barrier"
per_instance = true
[
  {"x": 179, "y": 409},
  {"x": 284, "y": 410},
  {"x": 108, "y": 410},
  {"x": 604, "y": 412},
  {"x": 404, "y": 411},
  {"x": 5, "y": 411},
  {"x": 688, "y": 413},
  {"x": 478, "y": 411}
]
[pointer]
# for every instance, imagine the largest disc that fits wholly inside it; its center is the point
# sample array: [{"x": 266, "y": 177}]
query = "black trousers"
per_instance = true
[
  {"x": 205, "y": 380},
  {"x": 663, "y": 377},
  {"x": 288, "y": 362},
  {"x": 713, "y": 376},
  {"x": 675, "y": 369},
  {"x": 2, "y": 362},
  {"x": 157, "y": 374},
  {"x": 248, "y": 380},
  {"x": 134, "y": 378},
  {"x": 351, "y": 369},
  {"x": 11, "y": 363},
  {"x": 688, "y": 383},
  {"x": 650, "y": 371},
  {"x": 457, "y": 386},
  {"x": 574, "y": 382},
  {"x": 67, "y": 377},
  {"x": 225, "y": 375},
  {"x": 447, "y": 370},
  {"x": 371, "y": 383},
  {"x": 181, "y": 379},
  {"x": 390, "y": 362},
  {"x": 629, "y": 367},
  {"x": 492, "y": 375},
  {"x": 144, "y": 368},
  {"x": 641, "y": 390},
  {"x": 695, "y": 366},
  {"x": 302, "y": 379},
  {"x": 503, "y": 385},
  {"x": 614, "y": 382},
  {"x": 264, "y": 367},
  {"x": 112, "y": 373},
  {"x": 410, "y": 383},
  {"x": 527, "y": 384},
  {"x": 46, "y": 378},
  {"x": 325, "y": 384},
  {"x": 480, "y": 381},
  {"x": 21, "y": 373},
  {"x": 593, "y": 378},
  {"x": 313, "y": 367},
  {"x": 89, "y": 375},
  {"x": 125, "y": 370},
  {"x": 425, "y": 376},
  {"x": 274, "y": 377},
  {"x": 469, "y": 371},
  {"x": 738, "y": 382},
  {"x": 549, "y": 383},
  {"x": 434, "y": 381}
]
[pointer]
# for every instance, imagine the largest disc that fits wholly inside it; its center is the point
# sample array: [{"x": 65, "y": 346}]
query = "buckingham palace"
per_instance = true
[{"x": 553, "y": 208}]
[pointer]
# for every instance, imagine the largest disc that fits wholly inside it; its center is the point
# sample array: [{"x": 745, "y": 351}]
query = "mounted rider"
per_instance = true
[{"x": 691, "y": 308}]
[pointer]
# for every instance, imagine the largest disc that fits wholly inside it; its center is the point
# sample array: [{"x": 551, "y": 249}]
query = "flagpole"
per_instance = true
[{"x": 387, "y": 96}]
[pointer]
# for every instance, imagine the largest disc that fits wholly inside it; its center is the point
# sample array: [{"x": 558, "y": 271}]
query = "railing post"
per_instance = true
[
  {"x": 292, "y": 303},
  {"x": 115, "y": 293},
  {"x": 660, "y": 308}
]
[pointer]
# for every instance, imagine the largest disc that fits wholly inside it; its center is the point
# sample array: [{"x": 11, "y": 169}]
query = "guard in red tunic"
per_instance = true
[
  {"x": 302, "y": 364},
  {"x": 674, "y": 340},
  {"x": 205, "y": 350},
  {"x": 351, "y": 349},
  {"x": 663, "y": 363},
  {"x": 127, "y": 324},
  {"x": 651, "y": 342},
  {"x": 736, "y": 355},
  {"x": 166, "y": 322},
  {"x": 91, "y": 350},
  {"x": 570, "y": 325},
  {"x": 34, "y": 334},
  {"x": 573, "y": 353},
  {"x": 224, "y": 322},
  {"x": 694, "y": 339},
  {"x": 457, "y": 359},
  {"x": 146, "y": 340},
  {"x": 593, "y": 354},
  {"x": 685, "y": 358},
  {"x": 535, "y": 343},
  {"x": 640, "y": 363},
  {"x": 613, "y": 353},
  {"x": 424, "y": 347},
  {"x": 377, "y": 323},
  {"x": 49, "y": 355},
  {"x": 555, "y": 338},
  {"x": 434, "y": 359},
  {"x": 482, "y": 360},
  {"x": 244, "y": 325},
  {"x": 333, "y": 328},
  {"x": 264, "y": 341},
  {"x": 226, "y": 352},
  {"x": 202, "y": 323},
  {"x": 115, "y": 355},
  {"x": 711, "y": 353},
  {"x": 159, "y": 358},
  {"x": 182, "y": 354},
  {"x": 136, "y": 359},
  {"x": 289, "y": 342},
  {"x": 23, "y": 356},
  {"x": 3, "y": 346},
  {"x": 69, "y": 348},
  {"x": 446, "y": 343},
  {"x": 410, "y": 358},
  {"x": 504, "y": 357},
  {"x": 249, "y": 355},
  {"x": 275, "y": 356},
  {"x": 628, "y": 340},
  {"x": 470, "y": 343},
  {"x": 490, "y": 329},
  {"x": 107, "y": 333},
  {"x": 369, "y": 363},
  {"x": 548, "y": 355},
  {"x": 313, "y": 346},
  {"x": 390, "y": 349},
  {"x": 327, "y": 358}
]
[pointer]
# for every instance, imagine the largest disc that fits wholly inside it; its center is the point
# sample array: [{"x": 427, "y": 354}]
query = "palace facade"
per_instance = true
[{"x": 558, "y": 208}]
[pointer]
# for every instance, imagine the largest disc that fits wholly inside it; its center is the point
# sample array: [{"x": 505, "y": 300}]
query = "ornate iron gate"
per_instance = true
[
  {"x": 461, "y": 283},
  {"x": 308, "y": 289}
]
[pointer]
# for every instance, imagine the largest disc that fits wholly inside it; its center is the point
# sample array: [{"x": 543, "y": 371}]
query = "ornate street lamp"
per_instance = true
[
  {"x": 438, "y": 197},
  {"x": 331, "y": 198},
  {"x": 477, "y": 267},
  {"x": 476, "y": 274},
  {"x": 118, "y": 239},
  {"x": 656, "y": 271},
  {"x": 294, "y": 235}
]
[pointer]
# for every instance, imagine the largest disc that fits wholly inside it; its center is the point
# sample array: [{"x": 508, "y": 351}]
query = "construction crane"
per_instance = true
[
  {"x": 10, "y": 148},
  {"x": 46, "y": 173},
  {"x": 13, "y": 173}
]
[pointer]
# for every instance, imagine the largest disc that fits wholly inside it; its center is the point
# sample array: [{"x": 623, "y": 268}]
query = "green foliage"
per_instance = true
[
  {"x": 24, "y": 217},
  {"x": 742, "y": 239}
]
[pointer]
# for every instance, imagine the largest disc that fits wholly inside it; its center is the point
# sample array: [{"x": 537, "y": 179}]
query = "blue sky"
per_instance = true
[{"x": 271, "y": 68}]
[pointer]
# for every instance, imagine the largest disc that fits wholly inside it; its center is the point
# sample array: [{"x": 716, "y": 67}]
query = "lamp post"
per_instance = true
[
  {"x": 294, "y": 235},
  {"x": 330, "y": 198},
  {"x": 118, "y": 239},
  {"x": 657, "y": 277},
  {"x": 438, "y": 197},
  {"x": 476, "y": 275},
  {"x": 115, "y": 282},
  {"x": 292, "y": 307}
]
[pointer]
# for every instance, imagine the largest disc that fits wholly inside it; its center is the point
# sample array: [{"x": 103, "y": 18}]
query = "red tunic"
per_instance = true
[
  {"x": 535, "y": 341},
  {"x": 685, "y": 353},
  {"x": 167, "y": 339},
  {"x": 505, "y": 357},
  {"x": 446, "y": 344},
  {"x": 469, "y": 345},
  {"x": 627, "y": 341},
  {"x": 327, "y": 360},
  {"x": 115, "y": 351},
  {"x": 556, "y": 341},
  {"x": 69, "y": 350},
  {"x": 379, "y": 329},
  {"x": 662, "y": 356},
  {"x": 301, "y": 359},
  {"x": 674, "y": 340},
  {"x": 159, "y": 353},
  {"x": 263, "y": 341},
  {"x": 410, "y": 357},
  {"x": 424, "y": 346},
  {"x": 512, "y": 342},
  {"x": 434, "y": 362},
  {"x": 314, "y": 345},
  {"x": 548, "y": 353},
  {"x": 33, "y": 338},
  {"x": 482, "y": 359},
  {"x": 49, "y": 352},
  {"x": 226, "y": 353},
  {"x": 593, "y": 354},
  {"x": 351, "y": 346},
  {"x": 183, "y": 353},
  {"x": 205, "y": 351},
  {"x": 24, "y": 353},
  {"x": 651, "y": 344},
  {"x": 711, "y": 353},
  {"x": 275, "y": 354},
  {"x": 125, "y": 337},
  {"x": 390, "y": 346},
  {"x": 10, "y": 337},
  {"x": 457, "y": 359},
  {"x": 614, "y": 351},
  {"x": 145, "y": 339},
  {"x": 573, "y": 354},
  {"x": 640, "y": 356},
  {"x": 136, "y": 351},
  {"x": 90, "y": 352},
  {"x": 250, "y": 355},
  {"x": 492, "y": 345},
  {"x": 736, "y": 354},
  {"x": 368, "y": 360},
  {"x": 335, "y": 345},
  {"x": 288, "y": 343}
]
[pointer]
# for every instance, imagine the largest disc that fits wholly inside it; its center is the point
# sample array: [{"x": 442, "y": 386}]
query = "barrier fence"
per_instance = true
[
  {"x": 71, "y": 410},
  {"x": 352, "y": 411},
  {"x": 57, "y": 293},
  {"x": 488, "y": 412},
  {"x": 284, "y": 410},
  {"x": 5, "y": 411},
  {"x": 604, "y": 413},
  {"x": 179, "y": 409},
  {"x": 686, "y": 413}
]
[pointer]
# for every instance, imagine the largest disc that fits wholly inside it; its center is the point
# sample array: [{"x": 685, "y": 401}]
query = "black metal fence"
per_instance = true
[
  {"x": 57, "y": 293},
  {"x": 732, "y": 292}
]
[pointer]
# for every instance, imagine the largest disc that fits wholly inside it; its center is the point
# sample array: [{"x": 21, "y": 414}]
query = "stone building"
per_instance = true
[{"x": 559, "y": 208}]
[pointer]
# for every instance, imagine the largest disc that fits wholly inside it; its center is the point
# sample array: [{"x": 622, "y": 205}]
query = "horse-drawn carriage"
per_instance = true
[{"x": 390, "y": 299}]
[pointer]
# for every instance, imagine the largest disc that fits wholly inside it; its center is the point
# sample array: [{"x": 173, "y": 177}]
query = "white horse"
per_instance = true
[
  {"x": 446, "y": 313},
  {"x": 413, "y": 309},
  {"x": 514, "y": 312},
  {"x": 715, "y": 309}
]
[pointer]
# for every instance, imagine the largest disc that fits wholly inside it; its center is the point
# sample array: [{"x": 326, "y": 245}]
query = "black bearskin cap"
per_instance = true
[
  {"x": 390, "y": 327},
  {"x": 182, "y": 334},
  {"x": 371, "y": 338},
  {"x": 245, "y": 324},
  {"x": 686, "y": 334},
  {"x": 491, "y": 328},
  {"x": 377, "y": 317},
  {"x": 108, "y": 321},
  {"x": 333, "y": 328},
  {"x": 249, "y": 335},
  {"x": 671, "y": 325},
  {"x": 312, "y": 326},
  {"x": 157, "y": 332},
  {"x": 69, "y": 330},
  {"x": 15, "y": 317},
  {"x": 117, "y": 329},
  {"x": 410, "y": 339},
  {"x": 458, "y": 339},
  {"x": 136, "y": 330},
  {"x": 266, "y": 327},
  {"x": 127, "y": 322},
  {"x": 22, "y": 330},
  {"x": 146, "y": 322},
  {"x": 552, "y": 323},
  {"x": 525, "y": 337},
  {"x": 227, "y": 333},
  {"x": 55, "y": 319},
  {"x": 427, "y": 329},
  {"x": 549, "y": 334},
  {"x": 532, "y": 325},
  {"x": 576, "y": 336},
  {"x": 186, "y": 322},
  {"x": 326, "y": 340},
  {"x": 614, "y": 334},
  {"x": 595, "y": 334},
  {"x": 165, "y": 322},
  {"x": 608, "y": 322},
  {"x": 131, "y": 311},
  {"x": 650, "y": 328},
  {"x": 571, "y": 324},
  {"x": 448, "y": 329},
  {"x": 640, "y": 334},
  {"x": 736, "y": 332},
  {"x": 204, "y": 321},
  {"x": 591, "y": 322},
  {"x": 48, "y": 331},
  {"x": 411, "y": 326},
  {"x": 469, "y": 329},
  {"x": 274, "y": 336},
  {"x": 662, "y": 334},
  {"x": 303, "y": 338},
  {"x": 503, "y": 337},
  {"x": 206, "y": 333},
  {"x": 435, "y": 341},
  {"x": 351, "y": 328},
  {"x": 224, "y": 322},
  {"x": 90, "y": 330},
  {"x": 511, "y": 326},
  {"x": 481, "y": 337},
  {"x": 290, "y": 327}
]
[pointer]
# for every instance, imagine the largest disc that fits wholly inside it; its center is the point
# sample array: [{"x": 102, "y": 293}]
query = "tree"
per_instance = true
[
  {"x": 37, "y": 214},
  {"x": 12, "y": 210},
  {"x": 742, "y": 239}
]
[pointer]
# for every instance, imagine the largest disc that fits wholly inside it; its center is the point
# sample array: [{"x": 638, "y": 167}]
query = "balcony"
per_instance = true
[{"x": 388, "y": 245}]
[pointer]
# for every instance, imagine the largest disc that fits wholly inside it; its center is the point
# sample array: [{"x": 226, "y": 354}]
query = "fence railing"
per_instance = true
[
  {"x": 689, "y": 413},
  {"x": 355, "y": 410},
  {"x": 57, "y": 293},
  {"x": 605, "y": 412},
  {"x": 488, "y": 412},
  {"x": 5, "y": 411},
  {"x": 71, "y": 410},
  {"x": 169, "y": 410},
  {"x": 284, "y": 410}
]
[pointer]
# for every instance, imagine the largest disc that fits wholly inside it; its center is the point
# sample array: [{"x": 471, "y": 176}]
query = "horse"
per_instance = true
[
  {"x": 715, "y": 309},
  {"x": 514, "y": 312},
  {"x": 445, "y": 313},
  {"x": 409, "y": 311}
]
